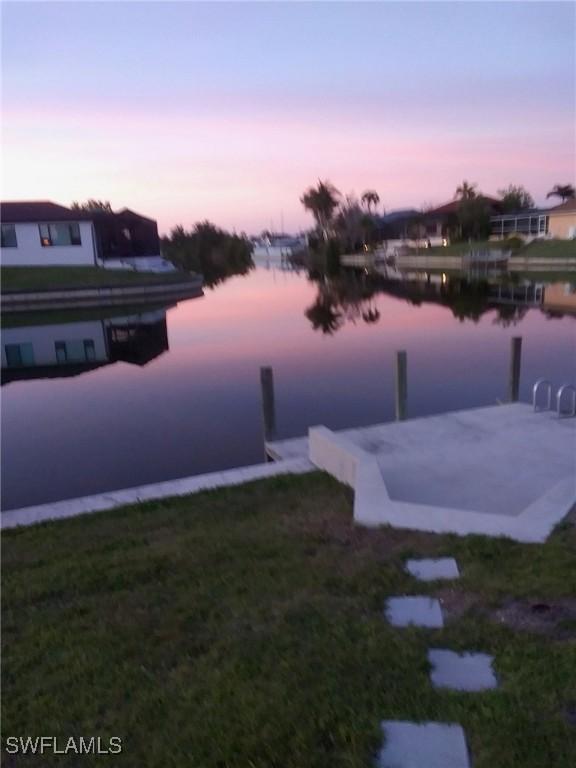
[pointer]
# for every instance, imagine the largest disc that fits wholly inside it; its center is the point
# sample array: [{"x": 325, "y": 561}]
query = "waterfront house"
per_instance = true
[
  {"x": 558, "y": 223},
  {"x": 562, "y": 221},
  {"x": 525, "y": 224},
  {"x": 441, "y": 222},
  {"x": 42, "y": 233}
]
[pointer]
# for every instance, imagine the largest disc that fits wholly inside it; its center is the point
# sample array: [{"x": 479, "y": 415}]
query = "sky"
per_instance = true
[{"x": 229, "y": 111}]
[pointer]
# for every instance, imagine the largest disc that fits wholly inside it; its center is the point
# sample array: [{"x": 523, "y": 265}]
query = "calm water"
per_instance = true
[{"x": 175, "y": 391}]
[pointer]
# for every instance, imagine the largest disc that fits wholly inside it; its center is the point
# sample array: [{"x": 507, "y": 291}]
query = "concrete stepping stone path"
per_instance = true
[
  {"x": 462, "y": 671},
  {"x": 423, "y": 745},
  {"x": 431, "y": 570},
  {"x": 414, "y": 611}
]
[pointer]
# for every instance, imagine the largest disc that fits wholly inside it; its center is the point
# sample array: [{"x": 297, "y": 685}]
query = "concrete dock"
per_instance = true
[{"x": 474, "y": 471}]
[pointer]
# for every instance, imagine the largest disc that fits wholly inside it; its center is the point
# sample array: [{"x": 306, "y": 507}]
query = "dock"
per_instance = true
[{"x": 504, "y": 470}]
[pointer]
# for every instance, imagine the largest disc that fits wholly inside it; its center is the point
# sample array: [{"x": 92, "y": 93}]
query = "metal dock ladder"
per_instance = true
[{"x": 564, "y": 388}]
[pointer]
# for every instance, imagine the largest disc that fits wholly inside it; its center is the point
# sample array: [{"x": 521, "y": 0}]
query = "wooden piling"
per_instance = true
[
  {"x": 268, "y": 408},
  {"x": 401, "y": 385},
  {"x": 515, "y": 361}
]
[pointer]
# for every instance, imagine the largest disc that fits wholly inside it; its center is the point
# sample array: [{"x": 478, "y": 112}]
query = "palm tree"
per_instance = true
[
  {"x": 324, "y": 314},
  {"x": 370, "y": 198},
  {"x": 563, "y": 191},
  {"x": 321, "y": 201},
  {"x": 466, "y": 191}
]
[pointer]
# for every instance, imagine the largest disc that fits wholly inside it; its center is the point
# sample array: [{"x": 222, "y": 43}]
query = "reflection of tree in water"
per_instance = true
[
  {"x": 324, "y": 315},
  {"x": 468, "y": 301},
  {"x": 349, "y": 297},
  {"x": 371, "y": 315},
  {"x": 509, "y": 314},
  {"x": 342, "y": 299}
]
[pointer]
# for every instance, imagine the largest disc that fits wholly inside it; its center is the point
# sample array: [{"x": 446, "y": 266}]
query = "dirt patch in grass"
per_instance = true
[
  {"x": 554, "y": 618},
  {"x": 323, "y": 526}
]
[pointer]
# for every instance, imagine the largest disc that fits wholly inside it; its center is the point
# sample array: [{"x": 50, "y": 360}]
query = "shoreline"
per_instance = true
[{"x": 22, "y": 301}]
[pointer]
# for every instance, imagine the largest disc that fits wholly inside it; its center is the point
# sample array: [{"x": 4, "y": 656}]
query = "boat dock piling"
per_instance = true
[{"x": 400, "y": 389}]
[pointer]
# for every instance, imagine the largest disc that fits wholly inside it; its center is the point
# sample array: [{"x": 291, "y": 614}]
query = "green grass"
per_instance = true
[
  {"x": 46, "y": 278},
  {"x": 549, "y": 249},
  {"x": 243, "y": 628}
]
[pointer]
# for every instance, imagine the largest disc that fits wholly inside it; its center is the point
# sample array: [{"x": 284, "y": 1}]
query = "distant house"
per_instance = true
[
  {"x": 558, "y": 222},
  {"x": 42, "y": 233},
  {"x": 525, "y": 224},
  {"x": 398, "y": 225},
  {"x": 440, "y": 222},
  {"x": 562, "y": 221}
]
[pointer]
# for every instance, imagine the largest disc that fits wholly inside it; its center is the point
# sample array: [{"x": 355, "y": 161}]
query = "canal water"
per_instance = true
[{"x": 98, "y": 401}]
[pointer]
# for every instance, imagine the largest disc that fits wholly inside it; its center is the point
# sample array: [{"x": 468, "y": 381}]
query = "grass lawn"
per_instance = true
[
  {"x": 546, "y": 249},
  {"x": 46, "y": 278},
  {"x": 243, "y": 628}
]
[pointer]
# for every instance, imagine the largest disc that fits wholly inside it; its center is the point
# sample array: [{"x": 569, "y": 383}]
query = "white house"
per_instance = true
[
  {"x": 45, "y": 234},
  {"x": 41, "y": 233}
]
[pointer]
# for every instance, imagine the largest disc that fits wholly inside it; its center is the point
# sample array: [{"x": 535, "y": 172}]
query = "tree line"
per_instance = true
[
  {"x": 208, "y": 250},
  {"x": 346, "y": 222}
]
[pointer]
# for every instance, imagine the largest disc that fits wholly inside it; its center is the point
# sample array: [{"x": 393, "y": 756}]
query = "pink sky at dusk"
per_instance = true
[{"x": 238, "y": 144}]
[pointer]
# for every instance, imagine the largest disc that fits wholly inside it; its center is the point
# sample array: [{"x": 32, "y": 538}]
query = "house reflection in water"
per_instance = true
[
  {"x": 55, "y": 350},
  {"x": 560, "y": 297}
]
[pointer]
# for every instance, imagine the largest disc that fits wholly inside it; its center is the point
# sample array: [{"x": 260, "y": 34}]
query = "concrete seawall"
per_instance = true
[
  {"x": 513, "y": 263},
  {"x": 22, "y": 301}
]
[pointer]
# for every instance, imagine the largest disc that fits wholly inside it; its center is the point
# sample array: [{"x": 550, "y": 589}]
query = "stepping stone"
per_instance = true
[
  {"x": 462, "y": 671},
  {"x": 416, "y": 611},
  {"x": 430, "y": 570},
  {"x": 424, "y": 745}
]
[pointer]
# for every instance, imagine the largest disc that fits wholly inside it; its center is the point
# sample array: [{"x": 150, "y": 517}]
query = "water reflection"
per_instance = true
[
  {"x": 70, "y": 344},
  {"x": 196, "y": 407},
  {"x": 351, "y": 295}
]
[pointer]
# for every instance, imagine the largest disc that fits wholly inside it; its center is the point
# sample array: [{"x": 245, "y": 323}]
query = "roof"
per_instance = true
[
  {"x": 454, "y": 205},
  {"x": 124, "y": 213},
  {"x": 568, "y": 207},
  {"x": 32, "y": 211},
  {"x": 399, "y": 215},
  {"x": 525, "y": 213},
  {"x": 39, "y": 210}
]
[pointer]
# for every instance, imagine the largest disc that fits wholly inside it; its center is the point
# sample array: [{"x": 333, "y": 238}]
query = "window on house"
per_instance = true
[
  {"x": 60, "y": 234},
  {"x": 77, "y": 351},
  {"x": 19, "y": 355},
  {"x": 9, "y": 236}
]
